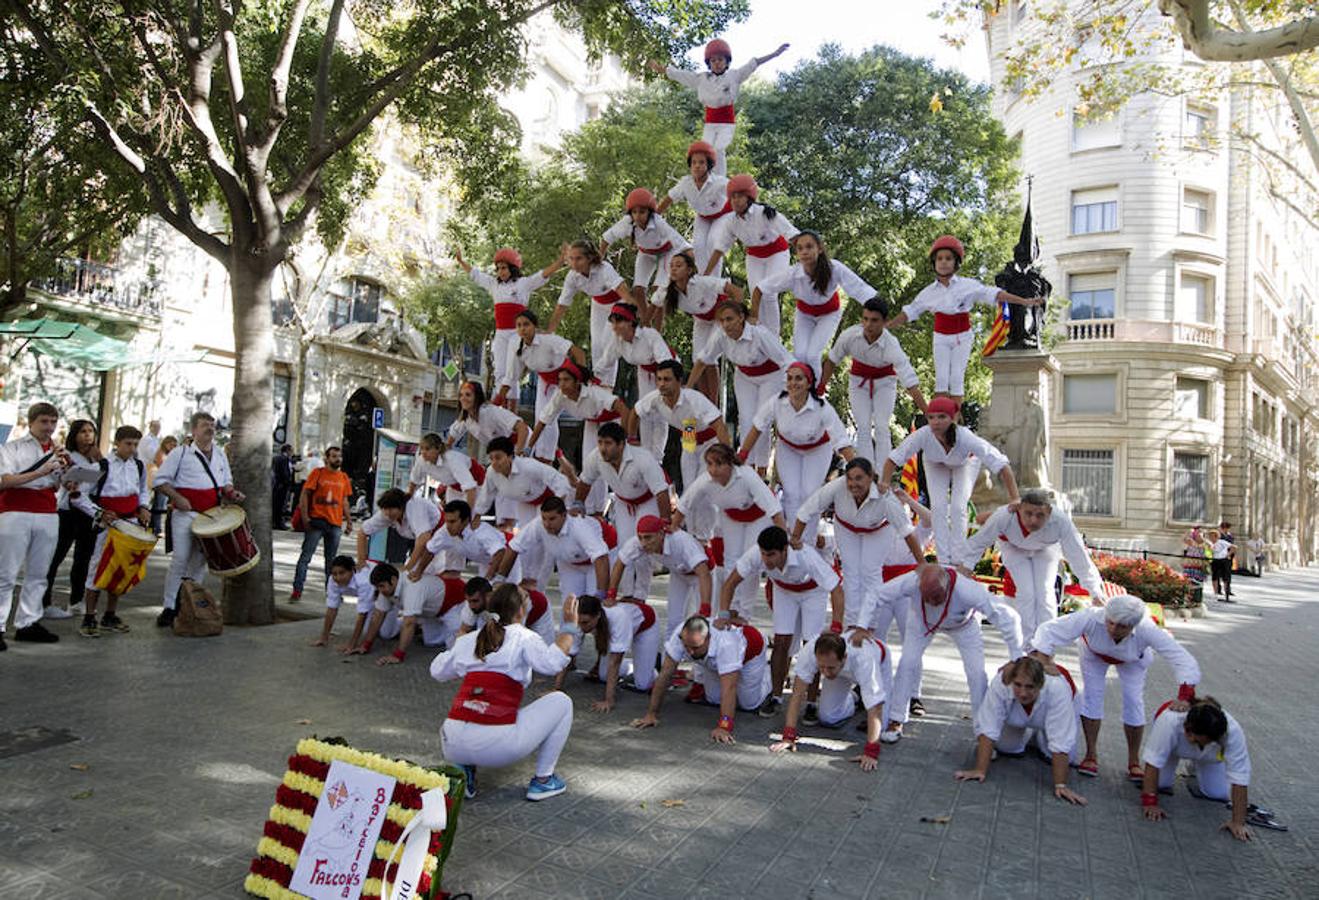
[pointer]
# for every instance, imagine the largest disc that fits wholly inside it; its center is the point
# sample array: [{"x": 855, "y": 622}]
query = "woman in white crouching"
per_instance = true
[{"x": 487, "y": 724}]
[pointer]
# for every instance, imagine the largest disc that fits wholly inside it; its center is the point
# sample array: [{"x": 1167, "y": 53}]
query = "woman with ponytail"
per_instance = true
[
  {"x": 627, "y": 627},
  {"x": 543, "y": 355},
  {"x": 698, "y": 296},
  {"x": 487, "y": 724},
  {"x": 764, "y": 233},
  {"x": 645, "y": 348},
  {"x": 590, "y": 274}
]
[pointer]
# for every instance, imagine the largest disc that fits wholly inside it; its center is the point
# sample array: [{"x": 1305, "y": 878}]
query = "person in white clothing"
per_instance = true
[
  {"x": 1212, "y": 740},
  {"x": 953, "y": 456},
  {"x": 878, "y": 365},
  {"x": 801, "y": 583},
  {"x": 479, "y": 422},
  {"x": 511, "y": 292},
  {"x": 705, "y": 192},
  {"x": 655, "y": 241},
  {"x": 764, "y": 233},
  {"x": 869, "y": 528},
  {"x": 1031, "y": 539},
  {"x": 645, "y": 348},
  {"x": 937, "y": 600},
  {"x": 535, "y": 607},
  {"x": 432, "y": 594},
  {"x": 346, "y": 580},
  {"x": 619, "y": 630},
  {"x": 573, "y": 543},
  {"x": 591, "y": 403},
  {"x": 455, "y": 473},
  {"x": 121, "y": 493},
  {"x": 698, "y": 296},
  {"x": 462, "y": 540},
  {"x": 412, "y": 518},
  {"x": 690, "y": 412},
  {"x": 589, "y": 273},
  {"x": 951, "y": 297},
  {"x": 814, "y": 282},
  {"x": 679, "y": 553},
  {"x": 543, "y": 355},
  {"x": 864, "y": 670},
  {"x": 487, "y": 724},
  {"x": 524, "y": 484},
  {"x": 730, "y": 671},
  {"x": 1120, "y": 634},
  {"x": 150, "y": 443},
  {"x": 743, "y": 506},
  {"x": 760, "y": 358},
  {"x": 808, "y": 432},
  {"x": 1022, "y": 707},
  {"x": 717, "y": 89},
  {"x": 196, "y": 478}
]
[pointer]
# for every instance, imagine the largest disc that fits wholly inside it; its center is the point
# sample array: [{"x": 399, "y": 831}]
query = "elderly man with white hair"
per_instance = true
[{"x": 1120, "y": 634}]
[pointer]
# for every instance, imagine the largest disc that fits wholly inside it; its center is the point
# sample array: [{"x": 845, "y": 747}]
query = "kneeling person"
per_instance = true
[
  {"x": 535, "y": 607},
  {"x": 347, "y": 580},
  {"x": 623, "y": 628}
]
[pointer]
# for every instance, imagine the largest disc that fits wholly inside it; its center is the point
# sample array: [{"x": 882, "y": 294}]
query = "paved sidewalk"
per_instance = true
[{"x": 179, "y": 745}]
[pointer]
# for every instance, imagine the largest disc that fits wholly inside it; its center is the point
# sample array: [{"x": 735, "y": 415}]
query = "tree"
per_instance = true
[{"x": 268, "y": 107}]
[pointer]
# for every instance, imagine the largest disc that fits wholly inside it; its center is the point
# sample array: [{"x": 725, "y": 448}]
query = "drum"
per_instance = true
[
  {"x": 226, "y": 540},
  {"x": 123, "y": 562}
]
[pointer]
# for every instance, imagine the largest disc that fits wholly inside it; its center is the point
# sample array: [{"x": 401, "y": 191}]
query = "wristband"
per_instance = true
[
  {"x": 836, "y": 626},
  {"x": 1057, "y": 786},
  {"x": 704, "y": 610},
  {"x": 726, "y": 723},
  {"x": 569, "y": 628},
  {"x": 611, "y": 594},
  {"x": 558, "y": 454},
  {"x": 400, "y": 655},
  {"x": 871, "y": 750},
  {"x": 634, "y": 441},
  {"x": 1186, "y": 692},
  {"x": 1148, "y": 800},
  {"x": 790, "y": 734},
  {"x": 723, "y": 614},
  {"x": 366, "y": 647}
]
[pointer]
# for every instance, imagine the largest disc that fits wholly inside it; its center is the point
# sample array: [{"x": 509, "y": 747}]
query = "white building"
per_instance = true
[{"x": 1188, "y": 360}]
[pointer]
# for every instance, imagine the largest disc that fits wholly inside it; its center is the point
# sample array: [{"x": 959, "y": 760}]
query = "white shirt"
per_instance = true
[
  {"x": 147, "y": 448},
  {"x": 802, "y": 426},
  {"x": 591, "y": 403},
  {"x": 626, "y": 621},
  {"x": 517, "y": 292},
  {"x": 862, "y": 666},
  {"x": 450, "y": 467},
  {"x": 958, "y": 296},
  {"x": 714, "y": 90},
  {"x": 637, "y": 473},
  {"x": 526, "y": 481},
  {"x": 419, "y": 516},
  {"x": 1053, "y": 712},
  {"x": 756, "y": 345},
  {"x": 706, "y": 200},
  {"x": 522, "y": 653},
  {"x": 603, "y": 279},
  {"x": 490, "y": 422},
  {"x": 545, "y": 353},
  {"x": 886, "y": 351},
  {"x": 358, "y": 586},
  {"x": 743, "y": 490},
  {"x": 802, "y": 286},
  {"x": 801, "y": 568},
  {"x": 966, "y": 598},
  {"x": 703, "y": 294},
  {"x": 183, "y": 468},
  {"x": 123, "y": 479},
  {"x": 681, "y": 553},
  {"x": 725, "y": 653},
  {"x": 578, "y": 543},
  {"x": 1089, "y": 626},
  {"x": 646, "y": 348},
  {"x": 1166, "y": 741},
  {"x": 692, "y": 406},
  {"x": 479, "y": 542},
  {"x": 536, "y": 616},
  {"x": 1005, "y": 525},
  {"x": 1221, "y": 549},
  {"x": 968, "y": 443},
  {"x": 875, "y": 511},
  {"x": 652, "y": 238},
  {"x": 752, "y": 228}
]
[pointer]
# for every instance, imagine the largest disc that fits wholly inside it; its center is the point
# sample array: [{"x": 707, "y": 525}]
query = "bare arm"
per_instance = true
[
  {"x": 723, "y": 732},
  {"x": 789, "y": 740},
  {"x": 1009, "y": 484},
  {"x": 651, "y": 718},
  {"x": 556, "y": 317},
  {"x": 984, "y": 752}
]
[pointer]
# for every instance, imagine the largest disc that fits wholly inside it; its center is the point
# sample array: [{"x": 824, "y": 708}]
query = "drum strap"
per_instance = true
[
  {"x": 219, "y": 496},
  {"x": 105, "y": 473},
  {"x": 38, "y": 464}
]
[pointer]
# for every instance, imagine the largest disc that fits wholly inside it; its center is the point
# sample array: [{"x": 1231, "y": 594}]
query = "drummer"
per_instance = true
[
  {"x": 121, "y": 493},
  {"x": 196, "y": 478}
]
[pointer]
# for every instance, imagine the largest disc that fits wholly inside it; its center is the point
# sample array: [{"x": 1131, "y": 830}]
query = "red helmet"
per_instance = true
[
  {"x": 510, "y": 256},
  {"x": 743, "y": 184},
  {"x": 948, "y": 242},
  {"x": 702, "y": 147},
  {"x": 718, "y": 47},
  {"x": 640, "y": 197}
]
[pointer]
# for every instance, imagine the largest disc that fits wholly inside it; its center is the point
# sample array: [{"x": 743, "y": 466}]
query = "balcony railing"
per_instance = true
[
  {"x": 84, "y": 281},
  {"x": 1147, "y": 331}
]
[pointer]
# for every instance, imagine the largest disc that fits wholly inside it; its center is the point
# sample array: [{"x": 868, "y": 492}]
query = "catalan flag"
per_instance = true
[
  {"x": 999, "y": 333},
  {"x": 911, "y": 476}
]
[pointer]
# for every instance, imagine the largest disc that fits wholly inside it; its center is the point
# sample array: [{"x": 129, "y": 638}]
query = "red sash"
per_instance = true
[
  {"x": 455, "y": 592},
  {"x": 890, "y": 572},
  {"x": 833, "y": 304},
  {"x": 478, "y": 474},
  {"x": 506, "y": 315},
  {"x": 1111, "y": 660},
  {"x": 952, "y": 323},
  {"x": 608, "y": 415},
  {"x": 120, "y": 506},
  {"x": 715, "y": 216},
  {"x": 551, "y": 376},
  {"x": 31, "y": 500},
  {"x": 714, "y": 553},
  {"x": 612, "y": 297},
  {"x": 633, "y": 502},
  {"x": 537, "y": 501},
  {"x": 721, "y": 115},
  {"x": 708, "y": 315},
  {"x": 765, "y": 251},
  {"x": 764, "y": 368},
  {"x": 799, "y": 588},
  {"x": 755, "y": 643},
  {"x": 869, "y": 372},
  {"x": 802, "y": 448},
  {"x": 708, "y": 434},
  {"x": 668, "y": 245},
  {"x": 538, "y": 604},
  {"x": 201, "y": 499},
  {"x": 487, "y": 698},
  {"x": 647, "y": 614},
  {"x": 752, "y": 513},
  {"x": 1067, "y": 677},
  {"x": 858, "y": 529},
  {"x": 947, "y": 605}
]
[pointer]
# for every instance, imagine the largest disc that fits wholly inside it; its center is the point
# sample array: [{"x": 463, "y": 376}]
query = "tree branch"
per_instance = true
[
  {"x": 1215, "y": 44},
  {"x": 279, "y": 80},
  {"x": 321, "y": 103}
]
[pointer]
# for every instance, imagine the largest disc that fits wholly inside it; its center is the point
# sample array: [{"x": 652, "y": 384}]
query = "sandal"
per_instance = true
[
  {"x": 1135, "y": 772},
  {"x": 1088, "y": 767}
]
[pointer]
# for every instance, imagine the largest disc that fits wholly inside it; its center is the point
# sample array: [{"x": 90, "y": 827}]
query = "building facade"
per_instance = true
[{"x": 1187, "y": 353}]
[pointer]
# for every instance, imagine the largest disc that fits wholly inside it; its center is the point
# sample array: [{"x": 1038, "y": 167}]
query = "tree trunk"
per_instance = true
[{"x": 250, "y": 598}]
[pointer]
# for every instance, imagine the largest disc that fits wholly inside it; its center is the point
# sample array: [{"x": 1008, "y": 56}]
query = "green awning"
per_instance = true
[{"x": 79, "y": 345}]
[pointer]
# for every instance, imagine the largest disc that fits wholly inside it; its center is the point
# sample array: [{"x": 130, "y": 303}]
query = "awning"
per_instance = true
[{"x": 79, "y": 345}]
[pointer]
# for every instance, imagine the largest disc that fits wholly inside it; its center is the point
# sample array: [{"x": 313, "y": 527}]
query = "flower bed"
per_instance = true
[{"x": 1148, "y": 579}]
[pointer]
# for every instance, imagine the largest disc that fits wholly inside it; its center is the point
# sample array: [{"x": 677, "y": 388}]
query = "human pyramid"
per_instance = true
[{"x": 843, "y": 559}]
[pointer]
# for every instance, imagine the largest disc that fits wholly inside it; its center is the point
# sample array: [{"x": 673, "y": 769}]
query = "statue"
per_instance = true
[
  {"x": 1033, "y": 453},
  {"x": 1023, "y": 278}
]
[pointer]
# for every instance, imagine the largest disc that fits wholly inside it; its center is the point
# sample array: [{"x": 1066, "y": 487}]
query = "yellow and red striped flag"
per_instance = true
[
  {"x": 911, "y": 477},
  {"x": 998, "y": 334}
]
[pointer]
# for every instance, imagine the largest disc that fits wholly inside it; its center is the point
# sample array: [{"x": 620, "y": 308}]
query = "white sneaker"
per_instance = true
[
  {"x": 75, "y": 609},
  {"x": 889, "y": 737},
  {"x": 56, "y": 612}
]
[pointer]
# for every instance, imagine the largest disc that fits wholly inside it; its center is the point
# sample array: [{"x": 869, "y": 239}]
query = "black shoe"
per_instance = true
[
  {"x": 166, "y": 618},
  {"x": 811, "y": 716},
  {"x": 36, "y": 633},
  {"x": 916, "y": 709},
  {"x": 769, "y": 709},
  {"x": 111, "y": 622},
  {"x": 88, "y": 628}
]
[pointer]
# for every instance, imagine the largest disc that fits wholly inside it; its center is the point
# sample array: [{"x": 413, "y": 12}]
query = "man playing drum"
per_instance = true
[
  {"x": 196, "y": 478},
  {"x": 117, "y": 500}
]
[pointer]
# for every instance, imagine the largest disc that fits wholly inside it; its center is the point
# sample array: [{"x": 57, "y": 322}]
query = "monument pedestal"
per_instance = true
[{"x": 1016, "y": 421}]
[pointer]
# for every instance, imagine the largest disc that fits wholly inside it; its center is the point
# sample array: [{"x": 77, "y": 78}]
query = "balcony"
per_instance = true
[
  {"x": 1145, "y": 331},
  {"x": 84, "y": 282}
]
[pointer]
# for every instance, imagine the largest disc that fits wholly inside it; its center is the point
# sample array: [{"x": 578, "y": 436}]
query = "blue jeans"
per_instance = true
[{"x": 316, "y": 530}]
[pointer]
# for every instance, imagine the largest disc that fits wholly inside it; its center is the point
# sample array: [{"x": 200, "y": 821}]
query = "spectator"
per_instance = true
[
  {"x": 159, "y": 502},
  {"x": 76, "y": 530},
  {"x": 325, "y": 515},
  {"x": 1225, "y": 532},
  {"x": 150, "y": 443},
  {"x": 1221, "y": 565},
  {"x": 1256, "y": 552},
  {"x": 281, "y": 485}
]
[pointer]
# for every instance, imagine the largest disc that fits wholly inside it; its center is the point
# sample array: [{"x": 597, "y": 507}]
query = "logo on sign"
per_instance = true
[{"x": 377, "y": 418}]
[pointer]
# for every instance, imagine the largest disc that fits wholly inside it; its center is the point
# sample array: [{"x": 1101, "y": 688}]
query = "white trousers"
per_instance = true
[
  {"x": 599, "y": 493},
  {"x": 636, "y": 579},
  {"x": 885, "y": 618},
  {"x": 872, "y": 409},
  {"x": 1131, "y": 675},
  {"x": 701, "y": 522},
  {"x": 1034, "y": 573},
  {"x": 502, "y": 346},
  {"x": 534, "y": 564},
  {"x": 644, "y": 652},
  {"x": 578, "y": 580},
  {"x": 652, "y": 265},
  {"x": 542, "y": 727},
  {"x": 970, "y": 645},
  {"x": 738, "y": 536},
  {"x": 757, "y": 271},
  {"x": 799, "y": 613},
  {"x": 812, "y": 335},
  {"x": 719, "y": 135},
  {"x": 601, "y": 331},
  {"x": 548, "y": 441},
  {"x": 702, "y": 231},
  {"x": 186, "y": 560},
  {"x": 1016, "y": 738},
  {"x": 753, "y": 392},
  {"x": 801, "y": 473},
  {"x": 390, "y": 625},
  {"x": 863, "y": 558},
  {"x": 837, "y": 701},
  {"x": 951, "y": 352},
  {"x": 950, "y": 491},
  {"x": 701, "y": 331},
  {"x": 422, "y": 600},
  {"x": 27, "y": 543},
  {"x": 752, "y": 684},
  {"x": 1210, "y": 776},
  {"x": 683, "y": 598},
  {"x": 654, "y": 434}
]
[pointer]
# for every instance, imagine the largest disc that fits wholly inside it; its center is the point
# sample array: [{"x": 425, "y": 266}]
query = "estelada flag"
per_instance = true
[
  {"x": 911, "y": 477},
  {"x": 123, "y": 562},
  {"x": 999, "y": 333}
]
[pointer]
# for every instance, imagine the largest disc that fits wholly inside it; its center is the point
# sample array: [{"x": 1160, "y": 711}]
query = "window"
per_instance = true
[
  {"x": 1197, "y": 211},
  {"x": 1190, "y": 399},
  {"x": 1088, "y": 481},
  {"x": 427, "y": 412},
  {"x": 1094, "y": 211},
  {"x": 1089, "y": 394},
  {"x": 281, "y": 310},
  {"x": 1093, "y": 133},
  {"x": 1194, "y": 299},
  {"x": 1093, "y": 295},
  {"x": 1199, "y": 127},
  {"x": 354, "y": 300},
  {"x": 1190, "y": 487}
]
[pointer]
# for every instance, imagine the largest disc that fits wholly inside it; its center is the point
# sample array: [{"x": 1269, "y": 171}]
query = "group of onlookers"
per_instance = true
[{"x": 1217, "y": 550}]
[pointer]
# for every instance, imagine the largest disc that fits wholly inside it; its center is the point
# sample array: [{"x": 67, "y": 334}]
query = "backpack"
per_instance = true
[{"x": 199, "y": 612}]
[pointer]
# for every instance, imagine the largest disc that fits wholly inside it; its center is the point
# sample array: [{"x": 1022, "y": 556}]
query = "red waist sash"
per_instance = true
[
  {"x": 763, "y": 368},
  {"x": 668, "y": 245},
  {"x": 455, "y": 592},
  {"x": 818, "y": 442},
  {"x": 538, "y": 604},
  {"x": 952, "y": 323},
  {"x": 765, "y": 251},
  {"x": 752, "y": 513},
  {"x": 715, "y": 216},
  {"x": 608, "y": 415},
  {"x": 32, "y": 500},
  {"x": 478, "y": 474},
  {"x": 647, "y": 614},
  {"x": 506, "y": 315},
  {"x": 708, "y": 315},
  {"x": 120, "y": 506},
  {"x": 201, "y": 499},
  {"x": 888, "y": 573},
  {"x": 633, "y": 502},
  {"x": 537, "y": 501},
  {"x": 867, "y": 372},
  {"x": 720, "y": 115},
  {"x": 551, "y": 376},
  {"x": 1111, "y": 660},
  {"x": 755, "y": 643},
  {"x": 860, "y": 529},
  {"x": 612, "y": 297},
  {"x": 799, "y": 588},
  {"x": 487, "y": 698},
  {"x": 706, "y": 434},
  {"x": 833, "y": 304}
]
